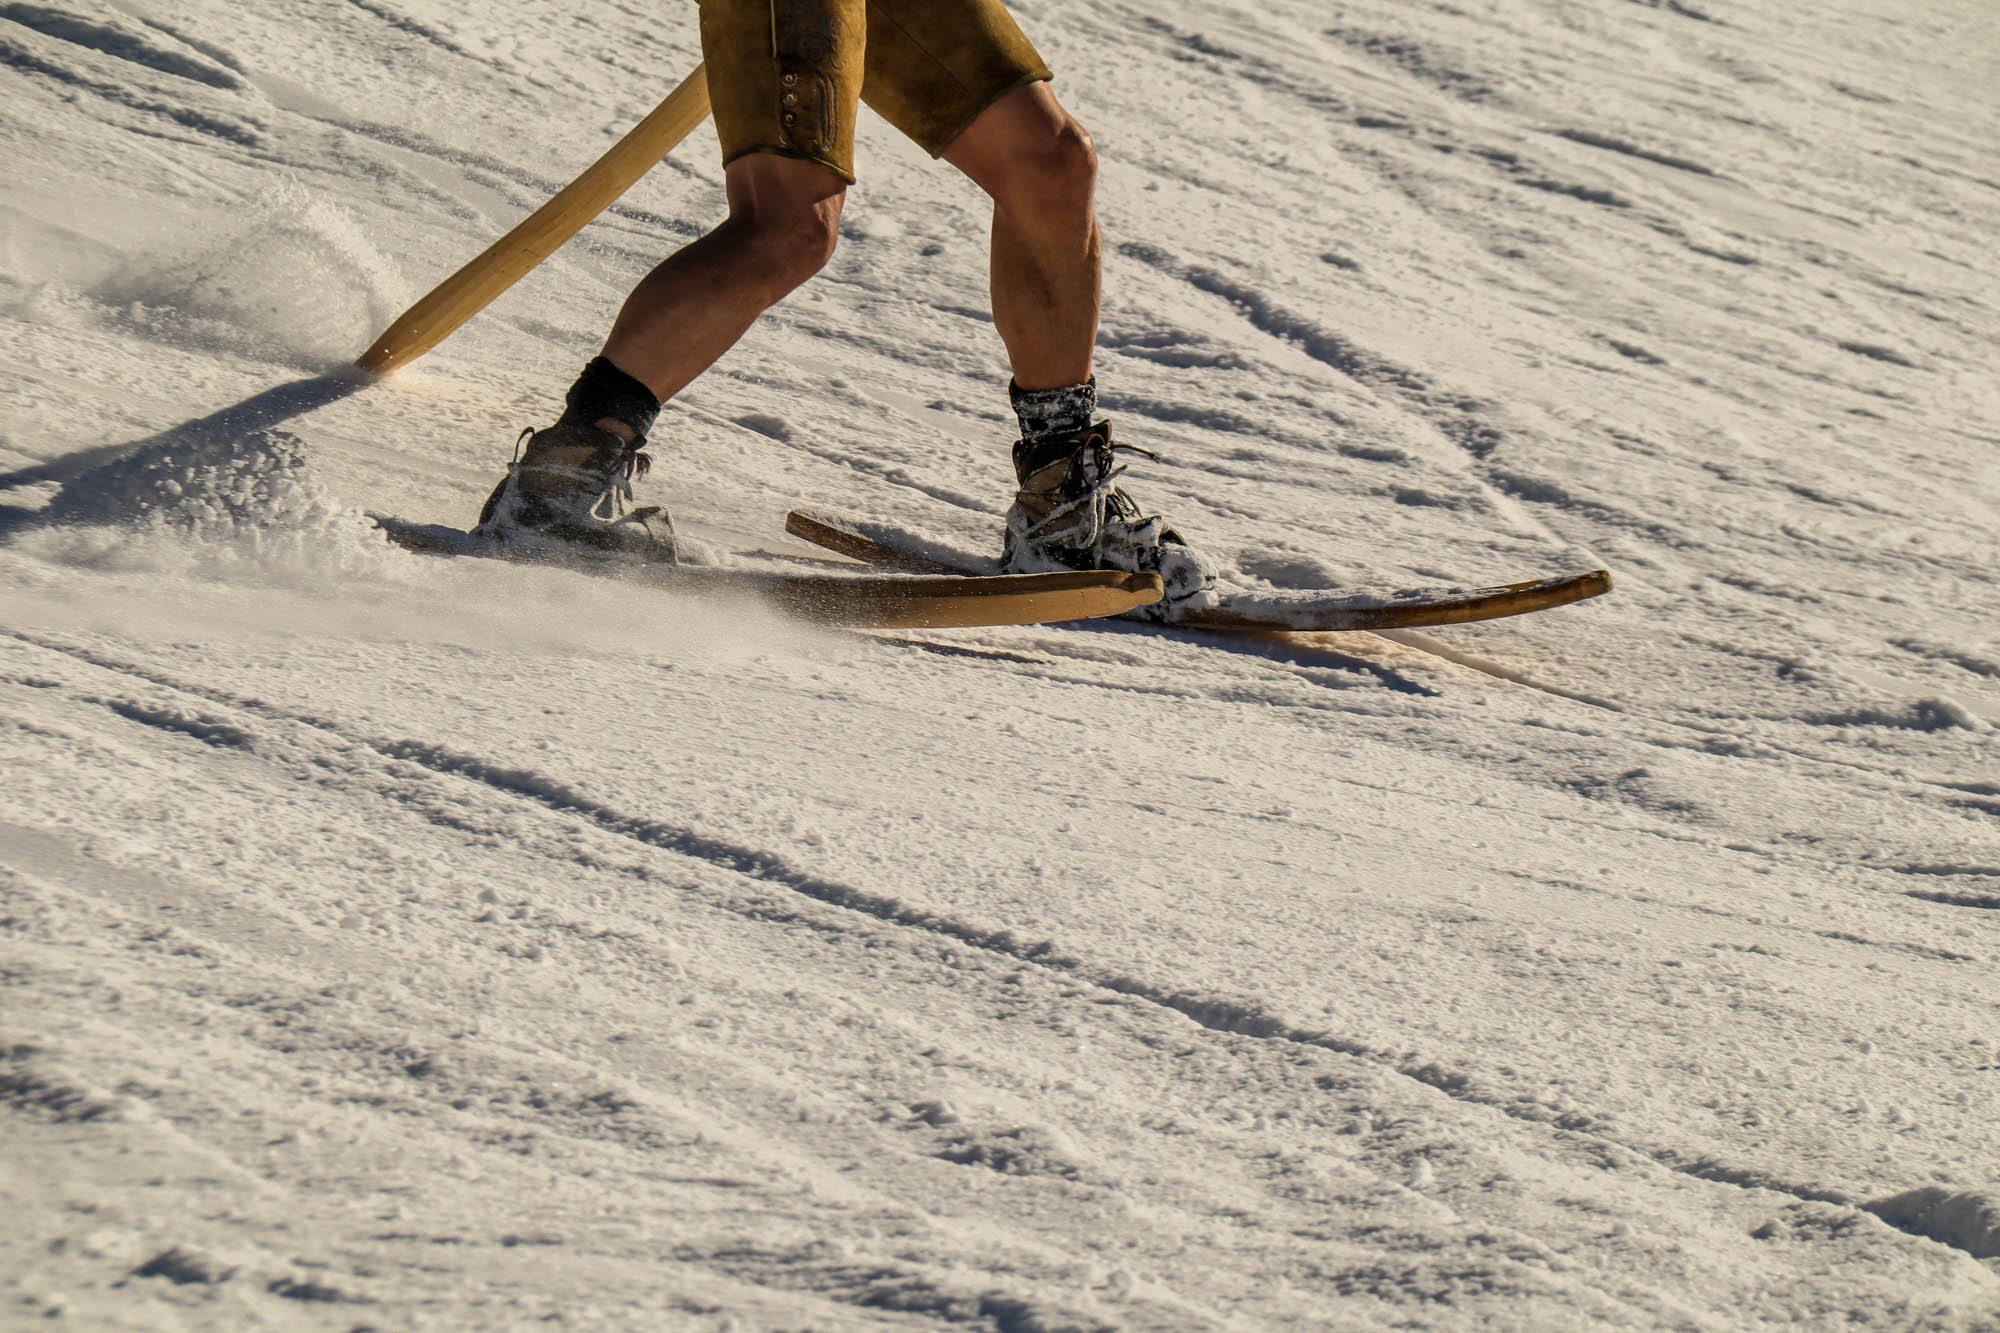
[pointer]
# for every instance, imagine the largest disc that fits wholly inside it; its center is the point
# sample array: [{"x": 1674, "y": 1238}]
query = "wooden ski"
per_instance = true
[
  {"x": 856, "y": 601},
  {"x": 1304, "y": 611}
]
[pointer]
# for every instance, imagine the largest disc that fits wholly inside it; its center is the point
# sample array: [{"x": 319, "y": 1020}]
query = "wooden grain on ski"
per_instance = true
[
  {"x": 1450, "y": 606},
  {"x": 1276, "y": 612},
  {"x": 855, "y": 601}
]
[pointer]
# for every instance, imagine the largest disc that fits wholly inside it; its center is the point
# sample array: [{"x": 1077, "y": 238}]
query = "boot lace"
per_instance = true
[
  {"x": 1090, "y": 485},
  {"x": 609, "y": 488}
]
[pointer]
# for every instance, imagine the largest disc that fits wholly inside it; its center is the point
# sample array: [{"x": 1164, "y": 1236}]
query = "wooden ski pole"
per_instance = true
[{"x": 509, "y": 259}]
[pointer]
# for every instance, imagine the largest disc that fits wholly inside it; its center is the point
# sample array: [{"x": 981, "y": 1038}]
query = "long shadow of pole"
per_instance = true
[
  {"x": 216, "y": 433},
  {"x": 272, "y": 407}
]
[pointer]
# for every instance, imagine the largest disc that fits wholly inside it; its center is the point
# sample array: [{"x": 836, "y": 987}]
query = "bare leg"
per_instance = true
[
  {"x": 784, "y": 219},
  {"x": 1040, "y": 167}
]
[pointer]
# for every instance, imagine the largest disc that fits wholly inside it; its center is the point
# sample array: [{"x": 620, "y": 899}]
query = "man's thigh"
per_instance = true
[{"x": 785, "y": 76}]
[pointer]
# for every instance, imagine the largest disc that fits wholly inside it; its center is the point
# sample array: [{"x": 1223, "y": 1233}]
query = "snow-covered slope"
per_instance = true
[{"x": 396, "y": 944}]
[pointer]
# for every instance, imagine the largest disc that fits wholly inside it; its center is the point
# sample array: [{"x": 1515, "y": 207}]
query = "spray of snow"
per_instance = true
[
  {"x": 292, "y": 281},
  {"x": 237, "y": 536},
  {"x": 232, "y": 509}
]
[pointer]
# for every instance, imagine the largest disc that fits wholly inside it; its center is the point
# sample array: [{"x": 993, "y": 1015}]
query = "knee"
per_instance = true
[
  {"x": 794, "y": 241},
  {"x": 811, "y": 237},
  {"x": 1058, "y": 178},
  {"x": 1072, "y": 159}
]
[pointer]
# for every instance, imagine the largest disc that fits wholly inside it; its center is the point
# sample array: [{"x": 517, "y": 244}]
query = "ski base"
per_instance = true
[
  {"x": 1274, "y": 612},
  {"x": 859, "y": 601}
]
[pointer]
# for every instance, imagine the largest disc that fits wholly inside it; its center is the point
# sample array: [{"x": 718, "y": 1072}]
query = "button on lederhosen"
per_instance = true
[{"x": 805, "y": 105}]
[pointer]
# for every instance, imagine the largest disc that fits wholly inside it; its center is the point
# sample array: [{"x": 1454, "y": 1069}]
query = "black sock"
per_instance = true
[
  {"x": 1049, "y": 418},
  {"x": 1047, "y": 412},
  {"x": 603, "y": 392}
]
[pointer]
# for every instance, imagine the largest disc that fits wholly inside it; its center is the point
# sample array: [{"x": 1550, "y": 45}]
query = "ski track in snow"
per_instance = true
[
  {"x": 1215, "y": 1014},
  {"x": 386, "y": 943},
  {"x": 1574, "y": 1136}
]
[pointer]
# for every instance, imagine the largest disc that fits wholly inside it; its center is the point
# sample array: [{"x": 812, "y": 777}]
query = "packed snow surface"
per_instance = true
[{"x": 396, "y": 942}]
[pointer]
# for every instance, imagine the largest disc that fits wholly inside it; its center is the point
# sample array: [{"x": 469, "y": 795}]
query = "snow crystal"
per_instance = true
[{"x": 1965, "y": 1219}]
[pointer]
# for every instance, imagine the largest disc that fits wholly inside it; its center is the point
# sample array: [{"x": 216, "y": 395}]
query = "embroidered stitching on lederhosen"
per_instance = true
[{"x": 804, "y": 39}]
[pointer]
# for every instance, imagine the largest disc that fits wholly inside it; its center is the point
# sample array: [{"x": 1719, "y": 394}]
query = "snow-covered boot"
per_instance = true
[
  {"x": 569, "y": 489},
  {"x": 1068, "y": 514}
]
